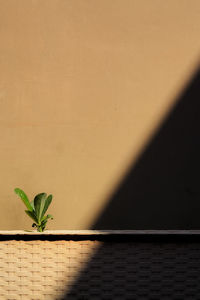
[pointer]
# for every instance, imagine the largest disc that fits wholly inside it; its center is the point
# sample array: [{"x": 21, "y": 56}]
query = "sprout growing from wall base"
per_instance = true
[{"x": 37, "y": 208}]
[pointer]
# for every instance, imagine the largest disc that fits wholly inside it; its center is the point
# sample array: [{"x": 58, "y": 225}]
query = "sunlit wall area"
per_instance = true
[{"x": 83, "y": 87}]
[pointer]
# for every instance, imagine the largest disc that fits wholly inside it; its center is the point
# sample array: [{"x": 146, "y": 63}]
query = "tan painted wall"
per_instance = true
[{"x": 83, "y": 84}]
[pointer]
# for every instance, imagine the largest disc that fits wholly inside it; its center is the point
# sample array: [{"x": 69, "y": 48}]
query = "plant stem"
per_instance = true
[{"x": 39, "y": 229}]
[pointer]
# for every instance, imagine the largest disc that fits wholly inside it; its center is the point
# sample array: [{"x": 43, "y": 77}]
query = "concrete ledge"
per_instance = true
[
  {"x": 104, "y": 235},
  {"x": 101, "y": 232}
]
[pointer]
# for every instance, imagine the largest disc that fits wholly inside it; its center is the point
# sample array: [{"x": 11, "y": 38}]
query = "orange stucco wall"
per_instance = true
[{"x": 83, "y": 85}]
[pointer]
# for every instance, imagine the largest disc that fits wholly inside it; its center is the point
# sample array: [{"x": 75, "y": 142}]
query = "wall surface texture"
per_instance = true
[{"x": 83, "y": 87}]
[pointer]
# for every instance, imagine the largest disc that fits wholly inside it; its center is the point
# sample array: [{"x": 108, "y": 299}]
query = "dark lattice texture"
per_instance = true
[{"x": 140, "y": 271}]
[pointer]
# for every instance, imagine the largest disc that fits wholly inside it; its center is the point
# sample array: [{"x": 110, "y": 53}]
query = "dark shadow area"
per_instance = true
[
  {"x": 161, "y": 191},
  {"x": 140, "y": 270}
]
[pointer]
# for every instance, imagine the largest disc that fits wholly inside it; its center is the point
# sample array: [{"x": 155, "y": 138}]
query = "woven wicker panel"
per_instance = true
[
  {"x": 40, "y": 269},
  {"x": 140, "y": 271},
  {"x": 96, "y": 270}
]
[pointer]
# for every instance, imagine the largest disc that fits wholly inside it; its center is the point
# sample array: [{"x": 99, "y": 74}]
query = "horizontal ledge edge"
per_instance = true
[{"x": 100, "y": 232}]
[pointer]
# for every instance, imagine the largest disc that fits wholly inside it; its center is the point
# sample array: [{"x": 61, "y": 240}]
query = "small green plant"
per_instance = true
[{"x": 37, "y": 208}]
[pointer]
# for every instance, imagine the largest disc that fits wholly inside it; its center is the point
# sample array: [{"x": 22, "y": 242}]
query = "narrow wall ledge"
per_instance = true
[
  {"x": 100, "y": 232},
  {"x": 103, "y": 235}
]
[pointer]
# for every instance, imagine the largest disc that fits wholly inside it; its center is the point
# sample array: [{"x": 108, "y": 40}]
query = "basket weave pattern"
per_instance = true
[
  {"x": 40, "y": 269},
  {"x": 92, "y": 270},
  {"x": 140, "y": 271}
]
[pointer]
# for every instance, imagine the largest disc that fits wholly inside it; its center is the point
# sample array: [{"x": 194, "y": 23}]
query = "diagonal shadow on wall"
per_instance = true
[{"x": 160, "y": 191}]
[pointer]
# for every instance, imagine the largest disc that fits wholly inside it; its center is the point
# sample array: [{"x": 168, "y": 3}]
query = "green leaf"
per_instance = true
[
  {"x": 44, "y": 221},
  {"x": 39, "y": 203},
  {"x": 32, "y": 215},
  {"x": 32, "y": 204},
  {"x": 43, "y": 224},
  {"x": 47, "y": 203},
  {"x": 47, "y": 217},
  {"x": 24, "y": 198}
]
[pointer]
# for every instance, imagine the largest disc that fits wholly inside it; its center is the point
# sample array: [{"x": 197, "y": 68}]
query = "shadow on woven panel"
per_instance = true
[
  {"x": 140, "y": 271},
  {"x": 161, "y": 189}
]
